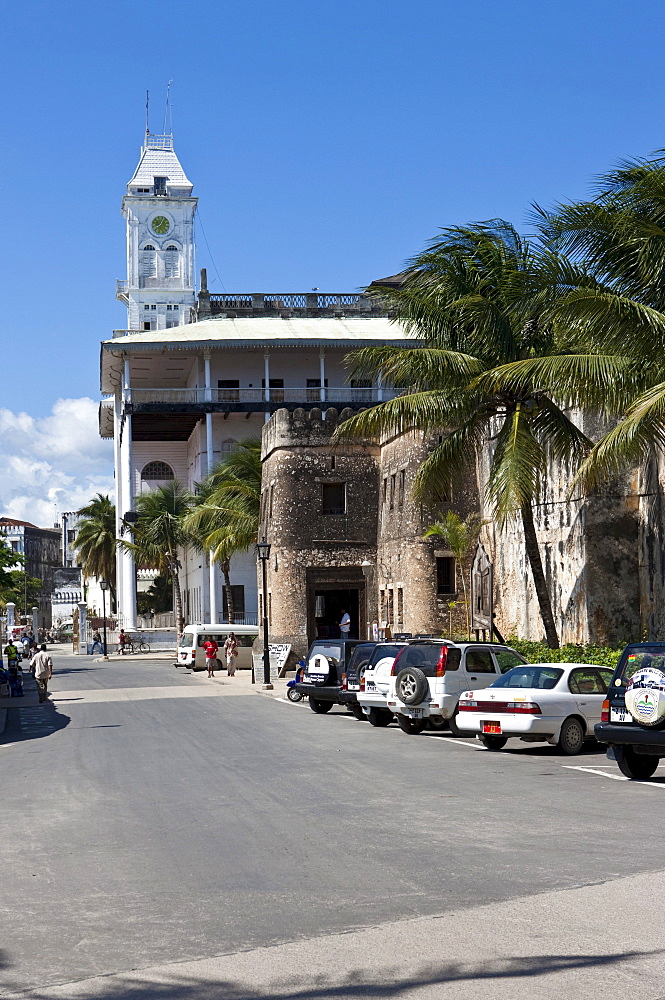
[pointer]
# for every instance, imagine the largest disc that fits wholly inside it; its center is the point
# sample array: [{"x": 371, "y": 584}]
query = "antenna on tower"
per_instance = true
[
  {"x": 167, "y": 108},
  {"x": 147, "y": 105}
]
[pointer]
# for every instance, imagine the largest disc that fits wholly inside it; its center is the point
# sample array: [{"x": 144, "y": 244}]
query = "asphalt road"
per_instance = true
[{"x": 236, "y": 846}]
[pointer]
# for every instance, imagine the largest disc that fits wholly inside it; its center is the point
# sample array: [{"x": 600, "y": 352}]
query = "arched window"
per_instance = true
[
  {"x": 172, "y": 262},
  {"x": 148, "y": 261},
  {"x": 158, "y": 471}
]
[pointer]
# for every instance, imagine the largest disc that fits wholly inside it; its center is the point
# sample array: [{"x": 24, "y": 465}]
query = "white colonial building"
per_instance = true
[{"x": 180, "y": 395}]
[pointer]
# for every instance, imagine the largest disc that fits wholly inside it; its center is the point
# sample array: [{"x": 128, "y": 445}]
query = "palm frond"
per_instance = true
[{"x": 518, "y": 467}]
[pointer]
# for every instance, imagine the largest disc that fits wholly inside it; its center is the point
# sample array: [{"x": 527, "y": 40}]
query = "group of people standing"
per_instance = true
[
  {"x": 41, "y": 665},
  {"x": 230, "y": 651}
]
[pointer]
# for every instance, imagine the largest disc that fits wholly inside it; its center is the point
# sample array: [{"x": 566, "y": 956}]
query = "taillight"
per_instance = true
[
  {"x": 193, "y": 652},
  {"x": 344, "y": 683},
  {"x": 393, "y": 669},
  {"x": 524, "y": 708},
  {"x": 467, "y": 705},
  {"x": 605, "y": 711},
  {"x": 441, "y": 665},
  {"x": 362, "y": 683}
]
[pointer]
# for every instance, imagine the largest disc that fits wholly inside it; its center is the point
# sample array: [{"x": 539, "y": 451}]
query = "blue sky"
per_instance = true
[{"x": 326, "y": 141}]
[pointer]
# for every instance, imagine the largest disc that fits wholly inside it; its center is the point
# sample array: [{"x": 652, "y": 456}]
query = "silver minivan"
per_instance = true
[{"x": 429, "y": 675}]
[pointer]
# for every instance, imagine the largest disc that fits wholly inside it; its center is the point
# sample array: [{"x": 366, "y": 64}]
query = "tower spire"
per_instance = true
[{"x": 147, "y": 107}]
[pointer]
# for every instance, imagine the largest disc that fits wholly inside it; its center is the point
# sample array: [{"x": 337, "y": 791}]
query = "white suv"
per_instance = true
[
  {"x": 429, "y": 675},
  {"x": 375, "y": 682}
]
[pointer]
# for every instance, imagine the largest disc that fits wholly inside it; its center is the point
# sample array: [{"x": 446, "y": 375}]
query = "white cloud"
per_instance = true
[{"x": 54, "y": 463}]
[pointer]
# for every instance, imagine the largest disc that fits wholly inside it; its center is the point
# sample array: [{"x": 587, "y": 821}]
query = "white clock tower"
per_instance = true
[{"x": 159, "y": 208}]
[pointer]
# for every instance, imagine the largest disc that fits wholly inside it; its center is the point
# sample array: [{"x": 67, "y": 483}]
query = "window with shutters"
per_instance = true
[
  {"x": 148, "y": 262},
  {"x": 172, "y": 262}
]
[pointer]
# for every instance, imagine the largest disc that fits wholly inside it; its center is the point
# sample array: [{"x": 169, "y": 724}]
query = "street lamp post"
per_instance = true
[
  {"x": 104, "y": 587},
  {"x": 263, "y": 552}
]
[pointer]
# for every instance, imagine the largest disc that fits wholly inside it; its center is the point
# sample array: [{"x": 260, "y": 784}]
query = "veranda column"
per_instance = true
[
  {"x": 117, "y": 432},
  {"x": 127, "y": 492},
  {"x": 322, "y": 375},
  {"x": 210, "y": 461}
]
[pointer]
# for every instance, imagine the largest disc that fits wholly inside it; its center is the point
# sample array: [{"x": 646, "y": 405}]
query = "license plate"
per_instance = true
[
  {"x": 415, "y": 713},
  {"x": 620, "y": 715},
  {"x": 491, "y": 727}
]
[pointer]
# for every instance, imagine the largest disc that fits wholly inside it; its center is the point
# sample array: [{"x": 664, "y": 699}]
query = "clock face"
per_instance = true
[{"x": 160, "y": 224}]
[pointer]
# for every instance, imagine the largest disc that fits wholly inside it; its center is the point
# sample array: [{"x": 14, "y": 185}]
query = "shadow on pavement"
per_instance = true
[
  {"x": 355, "y": 983},
  {"x": 31, "y": 722}
]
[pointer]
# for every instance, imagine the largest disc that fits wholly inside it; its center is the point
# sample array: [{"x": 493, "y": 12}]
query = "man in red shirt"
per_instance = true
[{"x": 211, "y": 648}]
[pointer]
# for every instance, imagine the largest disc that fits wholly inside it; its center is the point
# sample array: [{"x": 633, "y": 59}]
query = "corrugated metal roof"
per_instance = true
[{"x": 159, "y": 163}]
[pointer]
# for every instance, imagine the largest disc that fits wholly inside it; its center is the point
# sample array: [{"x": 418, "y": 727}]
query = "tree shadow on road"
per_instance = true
[{"x": 390, "y": 984}]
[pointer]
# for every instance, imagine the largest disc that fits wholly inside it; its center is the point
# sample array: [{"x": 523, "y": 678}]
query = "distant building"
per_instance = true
[{"x": 41, "y": 548}]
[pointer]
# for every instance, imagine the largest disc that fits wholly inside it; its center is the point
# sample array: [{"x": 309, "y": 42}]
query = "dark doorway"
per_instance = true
[{"x": 328, "y": 610}]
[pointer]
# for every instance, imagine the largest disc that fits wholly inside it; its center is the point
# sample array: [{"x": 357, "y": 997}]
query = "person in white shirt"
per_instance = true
[
  {"x": 345, "y": 625},
  {"x": 42, "y": 667}
]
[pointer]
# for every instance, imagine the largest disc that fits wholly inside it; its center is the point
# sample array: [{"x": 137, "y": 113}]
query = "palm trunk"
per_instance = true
[
  {"x": 228, "y": 590},
  {"x": 177, "y": 601},
  {"x": 536, "y": 563}
]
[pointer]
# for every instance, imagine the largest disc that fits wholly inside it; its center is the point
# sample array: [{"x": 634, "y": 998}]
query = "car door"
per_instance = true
[
  {"x": 480, "y": 668},
  {"x": 589, "y": 686}
]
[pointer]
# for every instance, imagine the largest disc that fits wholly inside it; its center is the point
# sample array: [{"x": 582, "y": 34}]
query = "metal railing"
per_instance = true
[{"x": 298, "y": 394}]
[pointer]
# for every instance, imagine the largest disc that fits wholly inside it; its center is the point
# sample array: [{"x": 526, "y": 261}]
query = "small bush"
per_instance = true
[{"x": 539, "y": 652}]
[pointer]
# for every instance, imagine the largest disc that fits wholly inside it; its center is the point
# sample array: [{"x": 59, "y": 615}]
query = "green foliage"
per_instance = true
[
  {"x": 539, "y": 652},
  {"x": 96, "y": 540},
  {"x": 16, "y": 590},
  {"x": 158, "y": 597},
  {"x": 225, "y": 515},
  {"x": 8, "y": 560}
]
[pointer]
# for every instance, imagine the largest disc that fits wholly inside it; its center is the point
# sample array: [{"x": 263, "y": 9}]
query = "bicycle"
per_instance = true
[{"x": 134, "y": 646}]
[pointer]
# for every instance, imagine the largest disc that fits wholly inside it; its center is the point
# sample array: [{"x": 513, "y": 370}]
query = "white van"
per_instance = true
[{"x": 190, "y": 648}]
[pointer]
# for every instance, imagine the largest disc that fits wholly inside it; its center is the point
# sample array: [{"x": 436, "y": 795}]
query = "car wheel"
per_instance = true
[
  {"x": 437, "y": 723},
  {"x": 494, "y": 742},
  {"x": 379, "y": 717},
  {"x": 411, "y": 686},
  {"x": 454, "y": 728},
  {"x": 320, "y": 707},
  {"x": 357, "y": 712},
  {"x": 293, "y": 695},
  {"x": 637, "y": 766},
  {"x": 411, "y": 726},
  {"x": 571, "y": 737}
]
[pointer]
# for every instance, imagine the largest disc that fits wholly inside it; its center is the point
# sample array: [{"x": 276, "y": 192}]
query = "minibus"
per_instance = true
[{"x": 191, "y": 653}]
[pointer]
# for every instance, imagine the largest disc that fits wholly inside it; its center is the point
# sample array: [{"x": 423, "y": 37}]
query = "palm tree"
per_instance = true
[
  {"x": 225, "y": 517},
  {"x": 159, "y": 533},
  {"x": 96, "y": 540},
  {"x": 620, "y": 236},
  {"x": 493, "y": 371},
  {"x": 460, "y": 536}
]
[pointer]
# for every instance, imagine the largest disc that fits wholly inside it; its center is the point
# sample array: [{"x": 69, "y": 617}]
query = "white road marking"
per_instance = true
[
  {"x": 455, "y": 743},
  {"x": 614, "y": 777}
]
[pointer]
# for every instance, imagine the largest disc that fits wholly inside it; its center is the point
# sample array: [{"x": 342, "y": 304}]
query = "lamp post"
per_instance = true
[
  {"x": 263, "y": 552},
  {"x": 104, "y": 587}
]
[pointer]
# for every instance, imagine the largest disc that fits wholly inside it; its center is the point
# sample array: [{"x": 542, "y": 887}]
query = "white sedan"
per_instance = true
[{"x": 559, "y": 703}]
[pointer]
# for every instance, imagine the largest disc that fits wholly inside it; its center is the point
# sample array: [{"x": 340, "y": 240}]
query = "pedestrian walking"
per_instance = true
[
  {"x": 231, "y": 651},
  {"x": 122, "y": 639},
  {"x": 96, "y": 641},
  {"x": 43, "y": 670},
  {"x": 211, "y": 649}
]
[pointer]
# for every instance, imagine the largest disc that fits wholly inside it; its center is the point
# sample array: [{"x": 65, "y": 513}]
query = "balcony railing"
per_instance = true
[
  {"x": 299, "y": 396},
  {"x": 286, "y": 304}
]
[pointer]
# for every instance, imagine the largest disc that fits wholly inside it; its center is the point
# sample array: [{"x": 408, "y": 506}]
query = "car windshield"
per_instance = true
[
  {"x": 361, "y": 654},
  {"x": 543, "y": 678},
  {"x": 637, "y": 659},
  {"x": 186, "y": 639},
  {"x": 329, "y": 649},
  {"x": 383, "y": 651}
]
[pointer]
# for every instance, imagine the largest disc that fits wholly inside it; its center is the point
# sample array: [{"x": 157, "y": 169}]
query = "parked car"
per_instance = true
[
  {"x": 429, "y": 675},
  {"x": 324, "y": 680},
  {"x": 557, "y": 703},
  {"x": 375, "y": 681},
  {"x": 633, "y": 714}
]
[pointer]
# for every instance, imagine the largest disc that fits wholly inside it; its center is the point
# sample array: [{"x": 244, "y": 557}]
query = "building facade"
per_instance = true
[{"x": 42, "y": 557}]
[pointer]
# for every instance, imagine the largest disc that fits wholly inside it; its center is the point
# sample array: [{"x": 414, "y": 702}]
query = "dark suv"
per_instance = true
[
  {"x": 633, "y": 715},
  {"x": 325, "y": 677}
]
